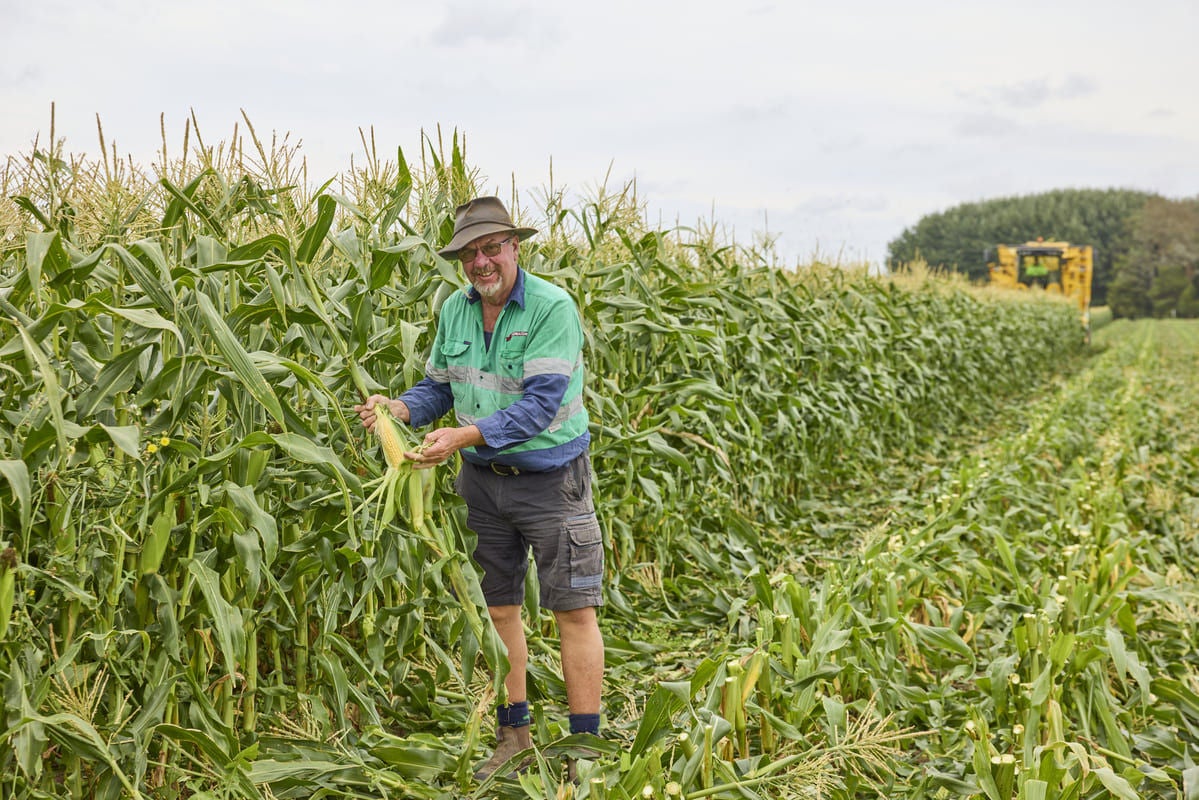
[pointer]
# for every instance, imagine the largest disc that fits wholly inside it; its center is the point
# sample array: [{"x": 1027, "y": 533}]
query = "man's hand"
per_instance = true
[
  {"x": 443, "y": 443},
  {"x": 366, "y": 411}
]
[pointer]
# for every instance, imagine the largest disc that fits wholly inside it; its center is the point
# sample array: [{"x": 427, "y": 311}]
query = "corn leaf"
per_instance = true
[
  {"x": 16, "y": 472},
  {"x": 237, "y": 359}
]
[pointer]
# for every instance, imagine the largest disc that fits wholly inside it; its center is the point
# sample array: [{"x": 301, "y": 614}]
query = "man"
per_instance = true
[{"x": 508, "y": 359}]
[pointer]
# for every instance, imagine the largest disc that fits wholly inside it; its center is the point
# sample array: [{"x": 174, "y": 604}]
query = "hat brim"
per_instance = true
[{"x": 485, "y": 228}]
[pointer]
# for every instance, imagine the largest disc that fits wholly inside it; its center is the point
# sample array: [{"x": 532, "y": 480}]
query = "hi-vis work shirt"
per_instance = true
[{"x": 523, "y": 389}]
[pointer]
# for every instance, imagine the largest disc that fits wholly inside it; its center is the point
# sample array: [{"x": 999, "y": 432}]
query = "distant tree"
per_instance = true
[
  {"x": 1167, "y": 288},
  {"x": 1128, "y": 295},
  {"x": 1157, "y": 274},
  {"x": 959, "y": 238},
  {"x": 1188, "y": 301}
]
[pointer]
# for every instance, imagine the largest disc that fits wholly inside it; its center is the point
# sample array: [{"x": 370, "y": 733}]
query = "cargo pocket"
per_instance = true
[{"x": 586, "y": 551}]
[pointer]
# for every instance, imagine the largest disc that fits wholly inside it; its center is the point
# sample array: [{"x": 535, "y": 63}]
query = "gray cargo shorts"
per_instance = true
[{"x": 551, "y": 513}]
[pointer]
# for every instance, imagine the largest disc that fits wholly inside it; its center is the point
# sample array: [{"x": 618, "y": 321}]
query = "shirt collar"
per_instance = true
[{"x": 517, "y": 295}]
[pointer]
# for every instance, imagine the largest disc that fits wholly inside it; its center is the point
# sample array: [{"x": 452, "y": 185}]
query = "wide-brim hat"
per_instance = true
[{"x": 479, "y": 217}]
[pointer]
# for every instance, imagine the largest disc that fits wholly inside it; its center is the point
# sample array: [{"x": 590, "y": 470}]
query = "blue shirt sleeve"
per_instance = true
[
  {"x": 528, "y": 416},
  {"x": 427, "y": 401}
]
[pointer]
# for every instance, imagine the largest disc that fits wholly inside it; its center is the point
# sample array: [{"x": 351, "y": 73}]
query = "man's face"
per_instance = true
[{"x": 492, "y": 276}]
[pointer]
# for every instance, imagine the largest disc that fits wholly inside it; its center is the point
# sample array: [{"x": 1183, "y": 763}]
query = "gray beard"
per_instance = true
[{"x": 489, "y": 291}]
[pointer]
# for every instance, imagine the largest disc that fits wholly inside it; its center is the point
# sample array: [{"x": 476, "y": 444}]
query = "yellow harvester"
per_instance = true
[{"x": 1058, "y": 267}]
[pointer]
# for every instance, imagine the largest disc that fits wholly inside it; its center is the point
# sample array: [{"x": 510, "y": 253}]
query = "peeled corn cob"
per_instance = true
[
  {"x": 389, "y": 435},
  {"x": 401, "y": 482}
]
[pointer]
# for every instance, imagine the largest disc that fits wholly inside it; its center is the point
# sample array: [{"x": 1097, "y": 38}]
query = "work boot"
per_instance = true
[
  {"x": 508, "y": 742},
  {"x": 572, "y": 763}
]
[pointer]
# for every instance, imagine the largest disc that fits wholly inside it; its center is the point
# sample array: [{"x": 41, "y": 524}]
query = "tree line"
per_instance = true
[{"x": 1146, "y": 246}]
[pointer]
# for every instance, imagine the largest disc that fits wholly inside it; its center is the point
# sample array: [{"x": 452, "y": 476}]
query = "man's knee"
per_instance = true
[
  {"x": 576, "y": 618},
  {"x": 504, "y": 614}
]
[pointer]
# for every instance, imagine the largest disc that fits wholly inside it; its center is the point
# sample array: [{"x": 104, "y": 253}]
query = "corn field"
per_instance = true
[{"x": 866, "y": 536}]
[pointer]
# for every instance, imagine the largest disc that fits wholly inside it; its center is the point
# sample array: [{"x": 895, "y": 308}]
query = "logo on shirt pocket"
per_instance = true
[{"x": 512, "y": 356}]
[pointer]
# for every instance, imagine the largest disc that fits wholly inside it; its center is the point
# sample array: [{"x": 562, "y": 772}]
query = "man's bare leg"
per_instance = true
[
  {"x": 582, "y": 659},
  {"x": 512, "y": 736},
  {"x": 511, "y": 629}
]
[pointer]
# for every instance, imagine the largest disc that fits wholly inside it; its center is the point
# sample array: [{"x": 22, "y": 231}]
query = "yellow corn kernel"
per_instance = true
[{"x": 389, "y": 435}]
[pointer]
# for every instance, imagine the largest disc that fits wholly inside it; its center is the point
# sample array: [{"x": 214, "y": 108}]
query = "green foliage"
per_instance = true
[
  {"x": 958, "y": 239},
  {"x": 1156, "y": 277},
  {"x": 814, "y": 586},
  {"x": 1188, "y": 301},
  {"x": 1167, "y": 287},
  {"x": 1128, "y": 296}
]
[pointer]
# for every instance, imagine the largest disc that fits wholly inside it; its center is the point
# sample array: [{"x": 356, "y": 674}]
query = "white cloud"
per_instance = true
[
  {"x": 837, "y": 124},
  {"x": 466, "y": 25},
  {"x": 990, "y": 125},
  {"x": 1034, "y": 92}
]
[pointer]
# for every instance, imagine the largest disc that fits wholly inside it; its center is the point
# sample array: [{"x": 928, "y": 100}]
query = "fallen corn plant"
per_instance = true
[{"x": 830, "y": 499}]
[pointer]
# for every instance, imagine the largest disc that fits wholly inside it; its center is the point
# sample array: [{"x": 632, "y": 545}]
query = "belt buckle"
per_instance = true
[{"x": 503, "y": 469}]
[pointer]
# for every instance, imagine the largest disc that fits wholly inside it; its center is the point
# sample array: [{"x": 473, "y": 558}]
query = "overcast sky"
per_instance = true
[{"x": 832, "y": 124}]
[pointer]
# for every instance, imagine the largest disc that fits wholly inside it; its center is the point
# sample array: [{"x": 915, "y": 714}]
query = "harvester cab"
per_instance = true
[{"x": 1056, "y": 267}]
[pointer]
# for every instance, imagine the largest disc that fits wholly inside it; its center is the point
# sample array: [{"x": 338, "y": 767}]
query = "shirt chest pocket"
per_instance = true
[
  {"x": 462, "y": 378},
  {"x": 512, "y": 358},
  {"x": 456, "y": 353}
]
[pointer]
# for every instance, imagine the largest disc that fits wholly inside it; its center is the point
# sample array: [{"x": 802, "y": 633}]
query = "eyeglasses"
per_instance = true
[{"x": 467, "y": 254}]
